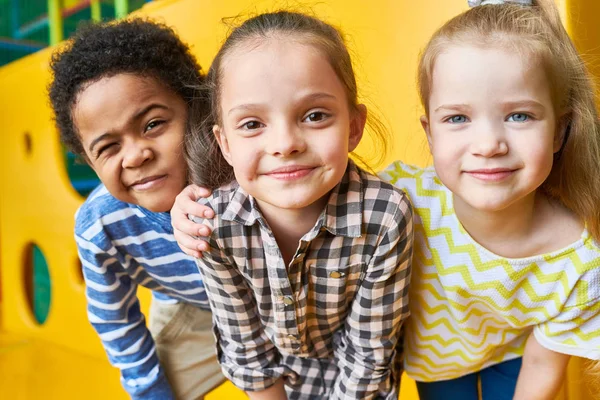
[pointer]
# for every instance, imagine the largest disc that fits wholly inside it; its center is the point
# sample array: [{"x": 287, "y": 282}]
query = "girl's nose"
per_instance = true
[
  {"x": 490, "y": 141},
  {"x": 286, "y": 141}
]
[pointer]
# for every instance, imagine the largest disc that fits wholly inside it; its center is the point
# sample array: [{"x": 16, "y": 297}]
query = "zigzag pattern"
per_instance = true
[{"x": 470, "y": 308}]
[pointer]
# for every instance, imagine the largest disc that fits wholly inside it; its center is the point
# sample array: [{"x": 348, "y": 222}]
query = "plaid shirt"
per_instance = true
[{"x": 329, "y": 322}]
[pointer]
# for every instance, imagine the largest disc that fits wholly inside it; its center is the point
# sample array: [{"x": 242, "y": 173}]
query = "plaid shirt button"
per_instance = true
[{"x": 288, "y": 301}]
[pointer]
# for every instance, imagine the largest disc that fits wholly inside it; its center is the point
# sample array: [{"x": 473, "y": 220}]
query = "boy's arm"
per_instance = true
[
  {"x": 114, "y": 312},
  {"x": 542, "y": 372},
  {"x": 372, "y": 330}
]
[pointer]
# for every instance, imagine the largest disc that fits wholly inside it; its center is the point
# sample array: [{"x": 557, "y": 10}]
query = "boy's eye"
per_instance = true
[
  {"x": 457, "y": 119},
  {"x": 153, "y": 124},
  {"x": 252, "y": 125},
  {"x": 315, "y": 116},
  {"x": 518, "y": 117},
  {"x": 104, "y": 148}
]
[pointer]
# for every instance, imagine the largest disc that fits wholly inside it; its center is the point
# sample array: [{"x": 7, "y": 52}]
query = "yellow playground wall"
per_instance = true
[{"x": 37, "y": 202}]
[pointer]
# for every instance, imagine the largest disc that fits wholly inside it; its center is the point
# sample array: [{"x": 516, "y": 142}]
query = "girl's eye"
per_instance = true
[
  {"x": 252, "y": 125},
  {"x": 457, "y": 119},
  {"x": 518, "y": 117},
  {"x": 153, "y": 124},
  {"x": 315, "y": 116}
]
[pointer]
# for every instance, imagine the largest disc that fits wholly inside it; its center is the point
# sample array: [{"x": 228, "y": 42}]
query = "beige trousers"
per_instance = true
[{"x": 186, "y": 348}]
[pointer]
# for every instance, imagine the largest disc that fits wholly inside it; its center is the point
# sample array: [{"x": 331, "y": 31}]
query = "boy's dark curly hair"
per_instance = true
[{"x": 136, "y": 46}]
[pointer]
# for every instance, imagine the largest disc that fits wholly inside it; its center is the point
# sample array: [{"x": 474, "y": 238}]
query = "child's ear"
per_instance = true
[
  {"x": 223, "y": 143},
  {"x": 425, "y": 124},
  {"x": 563, "y": 127},
  {"x": 357, "y": 127}
]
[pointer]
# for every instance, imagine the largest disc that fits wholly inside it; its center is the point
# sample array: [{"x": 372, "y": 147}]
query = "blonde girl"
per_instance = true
[
  {"x": 507, "y": 261},
  {"x": 308, "y": 268}
]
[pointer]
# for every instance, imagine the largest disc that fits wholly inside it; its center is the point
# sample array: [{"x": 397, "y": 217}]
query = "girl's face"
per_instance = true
[
  {"x": 132, "y": 131},
  {"x": 492, "y": 128},
  {"x": 286, "y": 126}
]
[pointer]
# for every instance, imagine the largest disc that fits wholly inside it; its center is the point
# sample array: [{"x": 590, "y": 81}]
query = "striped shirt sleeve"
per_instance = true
[
  {"x": 114, "y": 312},
  {"x": 372, "y": 330}
]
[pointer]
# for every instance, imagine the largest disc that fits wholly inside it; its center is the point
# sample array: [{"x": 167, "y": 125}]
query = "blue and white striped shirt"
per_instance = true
[{"x": 121, "y": 246}]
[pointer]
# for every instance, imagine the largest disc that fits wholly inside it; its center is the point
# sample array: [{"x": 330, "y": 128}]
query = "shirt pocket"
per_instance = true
[{"x": 334, "y": 286}]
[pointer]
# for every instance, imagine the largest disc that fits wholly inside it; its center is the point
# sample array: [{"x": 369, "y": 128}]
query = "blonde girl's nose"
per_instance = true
[{"x": 489, "y": 141}]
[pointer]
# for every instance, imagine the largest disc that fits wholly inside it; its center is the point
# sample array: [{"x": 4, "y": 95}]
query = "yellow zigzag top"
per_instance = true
[{"x": 471, "y": 308}]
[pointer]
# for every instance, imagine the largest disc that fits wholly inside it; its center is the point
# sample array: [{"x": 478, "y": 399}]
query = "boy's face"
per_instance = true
[{"x": 132, "y": 131}]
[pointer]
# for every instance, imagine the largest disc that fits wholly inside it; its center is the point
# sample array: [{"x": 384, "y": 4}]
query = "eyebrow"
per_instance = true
[
  {"x": 453, "y": 107},
  {"x": 135, "y": 116},
  {"x": 98, "y": 139},
  {"x": 523, "y": 103},
  {"x": 509, "y": 104},
  {"x": 309, "y": 97},
  {"x": 147, "y": 109}
]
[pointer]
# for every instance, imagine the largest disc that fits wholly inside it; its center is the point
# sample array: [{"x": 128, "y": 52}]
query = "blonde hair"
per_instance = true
[
  {"x": 537, "y": 32},
  {"x": 205, "y": 161}
]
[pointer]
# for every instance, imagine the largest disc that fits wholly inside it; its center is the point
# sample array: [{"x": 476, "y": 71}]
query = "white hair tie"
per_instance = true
[{"x": 475, "y": 3}]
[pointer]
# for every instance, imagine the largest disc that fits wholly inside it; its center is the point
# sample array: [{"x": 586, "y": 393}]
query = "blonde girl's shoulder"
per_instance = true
[{"x": 409, "y": 177}]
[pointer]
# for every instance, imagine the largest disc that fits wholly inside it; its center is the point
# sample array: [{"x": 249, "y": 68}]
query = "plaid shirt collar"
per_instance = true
[{"x": 343, "y": 215}]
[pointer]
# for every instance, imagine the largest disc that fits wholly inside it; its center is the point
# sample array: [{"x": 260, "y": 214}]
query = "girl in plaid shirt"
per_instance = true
[
  {"x": 507, "y": 251},
  {"x": 309, "y": 259}
]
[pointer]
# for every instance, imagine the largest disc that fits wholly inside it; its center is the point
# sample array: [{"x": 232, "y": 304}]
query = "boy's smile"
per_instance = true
[{"x": 132, "y": 131}]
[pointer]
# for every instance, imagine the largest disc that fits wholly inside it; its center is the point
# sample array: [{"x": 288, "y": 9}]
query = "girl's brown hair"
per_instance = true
[
  {"x": 207, "y": 167},
  {"x": 537, "y": 33}
]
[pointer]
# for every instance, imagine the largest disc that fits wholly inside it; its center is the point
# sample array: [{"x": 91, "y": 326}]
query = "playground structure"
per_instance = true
[
  {"x": 27, "y": 26},
  {"x": 54, "y": 353}
]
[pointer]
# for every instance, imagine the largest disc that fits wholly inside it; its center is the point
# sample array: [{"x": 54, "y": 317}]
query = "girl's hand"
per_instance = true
[
  {"x": 275, "y": 392},
  {"x": 542, "y": 372},
  {"x": 184, "y": 229}
]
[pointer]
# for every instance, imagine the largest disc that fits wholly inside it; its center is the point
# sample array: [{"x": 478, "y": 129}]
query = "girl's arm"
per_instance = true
[
  {"x": 184, "y": 229},
  {"x": 365, "y": 352},
  {"x": 542, "y": 372},
  {"x": 247, "y": 356},
  {"x": 275, "y": 392}
]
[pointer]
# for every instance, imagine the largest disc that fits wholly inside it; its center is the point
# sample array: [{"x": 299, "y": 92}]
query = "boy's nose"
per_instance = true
[{"x": 136, "y": 156}]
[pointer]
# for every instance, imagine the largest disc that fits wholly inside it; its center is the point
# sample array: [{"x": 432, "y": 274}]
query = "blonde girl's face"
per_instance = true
[
  {"x": 492, "y": 129},
  {"x": 286, "y": 125}
]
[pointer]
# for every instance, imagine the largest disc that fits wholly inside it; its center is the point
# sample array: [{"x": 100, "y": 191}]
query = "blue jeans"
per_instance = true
[{"x": 498, "y": 382}]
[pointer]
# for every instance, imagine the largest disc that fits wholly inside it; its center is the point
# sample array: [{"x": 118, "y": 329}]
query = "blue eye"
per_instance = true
[
  {"x": 518, "y": 117},
  {"x": 457, "y": 119}
]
